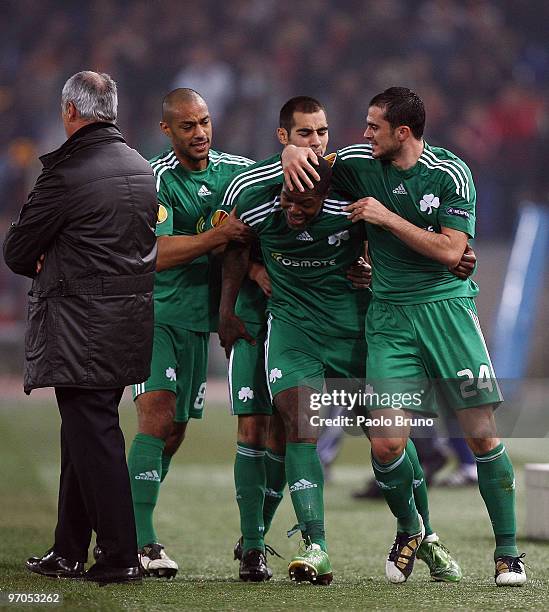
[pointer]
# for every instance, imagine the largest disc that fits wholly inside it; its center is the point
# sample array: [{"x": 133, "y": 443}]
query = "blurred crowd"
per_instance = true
[{"x": 482, "y": 67}]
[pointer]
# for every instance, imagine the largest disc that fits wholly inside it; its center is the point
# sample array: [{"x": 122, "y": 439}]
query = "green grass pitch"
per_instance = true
[{"x": 197, "y": 520}]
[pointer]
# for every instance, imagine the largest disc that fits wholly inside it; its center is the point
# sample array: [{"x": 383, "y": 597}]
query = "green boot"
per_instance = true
[{"x": 311, "y": 564}]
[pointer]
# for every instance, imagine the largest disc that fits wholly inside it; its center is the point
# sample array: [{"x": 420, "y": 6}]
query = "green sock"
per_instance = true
[
  {"x": 145, "y": 467},
  {"x": 420, "y": 487},
  {"x": 275, "y": 470},
  {"x": 306, "y": 480},
  {"x": 166, "y": 460},
  {"x": 249, "y": 480},
  {"x": 395, "y": 480},
  {"x": 496, "y": 481}
]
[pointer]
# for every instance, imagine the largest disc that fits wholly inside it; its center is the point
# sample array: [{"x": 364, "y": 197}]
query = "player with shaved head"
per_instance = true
[{"x": 189, "y": 177}]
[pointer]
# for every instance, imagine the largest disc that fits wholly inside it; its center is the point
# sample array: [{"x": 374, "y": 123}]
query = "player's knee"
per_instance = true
[
  {"x": 481, "y": 446},
  {"x": 386, "y": 450},
  {"x": 155, "y": 413},
  {"x": 252, "y": 430}
]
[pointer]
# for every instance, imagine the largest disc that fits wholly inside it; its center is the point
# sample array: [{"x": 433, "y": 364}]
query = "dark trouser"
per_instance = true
[{"x": 94, "y": 487}]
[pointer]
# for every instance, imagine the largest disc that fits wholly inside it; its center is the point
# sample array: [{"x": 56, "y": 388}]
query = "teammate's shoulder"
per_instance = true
[
  {"x": 263, "y": 175},
  {"x": 165, "y": 159},
  {"x": 220, "y": 159},
  {"x": 163, "y": 166},
  {"x": 257, "y": 203},
  {"x": 438, "y": 158}
]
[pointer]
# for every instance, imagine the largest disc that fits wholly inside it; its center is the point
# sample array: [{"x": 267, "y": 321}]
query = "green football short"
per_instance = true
[
  {"x": 179, "y": 364},
  {"x": 436, "y": 348},
  {"x": 295, "y": 357},
  {"x": 247, "y": 383}
]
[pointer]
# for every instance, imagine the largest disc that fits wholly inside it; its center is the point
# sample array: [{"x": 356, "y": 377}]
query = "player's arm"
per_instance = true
[
  {"x": 446, "y": 247},
  {"x": 177, "y": 250},
  {"x": 235, "y": 267},
  {"x": 258, "y": 274},
  {"x": 466, "y": 265}
]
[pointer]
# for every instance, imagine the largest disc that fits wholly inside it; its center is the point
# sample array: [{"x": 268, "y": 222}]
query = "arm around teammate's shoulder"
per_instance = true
[{"x": 177, "y": 250}]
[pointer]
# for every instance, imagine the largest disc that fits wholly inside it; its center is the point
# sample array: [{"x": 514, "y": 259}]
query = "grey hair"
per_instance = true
[{"x": 93, "y": 94}]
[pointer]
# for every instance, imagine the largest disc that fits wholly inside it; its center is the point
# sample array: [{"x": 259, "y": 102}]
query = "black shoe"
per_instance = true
[
  {"x": 54, "y": 566},
  {"x": 370, "y": 491},
  {"x": 253, "y": 567},
  {"x": 106, "y": 574},
  {"x": 237, "y": 550}
]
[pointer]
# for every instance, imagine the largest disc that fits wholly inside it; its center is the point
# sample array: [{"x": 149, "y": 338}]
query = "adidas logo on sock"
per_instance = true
[
  {"x": 148, "y": 476},
  {"x": 204, "y": 191},
  {"x": 304, "y": 236},
  {"x": 301, "y": 485},
  {"x": 400, "y": 190}
]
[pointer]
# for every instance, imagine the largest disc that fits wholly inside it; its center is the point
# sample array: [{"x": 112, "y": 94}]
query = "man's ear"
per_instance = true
[
  {"x": 70, "y": 111},
  {"x": 282, "y": 135},
  {"x": 403, "y": 133},
  {"x": 165, "y": 128}
]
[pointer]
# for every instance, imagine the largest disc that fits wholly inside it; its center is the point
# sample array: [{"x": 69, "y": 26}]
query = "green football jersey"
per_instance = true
[
  {"x": 187, "y": 296},
  {"x": 438, "y": 191},
  {"x": 307, "y": 267}
]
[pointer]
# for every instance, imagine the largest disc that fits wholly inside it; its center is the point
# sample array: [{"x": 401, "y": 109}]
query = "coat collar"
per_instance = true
[{"x": 92, "y": 133}]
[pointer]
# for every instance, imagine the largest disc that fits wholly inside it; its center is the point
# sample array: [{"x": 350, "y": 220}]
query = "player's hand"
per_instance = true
[
  {"x": 233, "y": 229},
  {"x": 231, "y": 329},
  {"x": 466, "y": 265},
  {"x": 360, "y": 274},
  {"x": 370, "y": 210},
  {"x": 298, "y": 164},
  {"x": 258, "y": 274},
  {"x": 40, "y": 263}
]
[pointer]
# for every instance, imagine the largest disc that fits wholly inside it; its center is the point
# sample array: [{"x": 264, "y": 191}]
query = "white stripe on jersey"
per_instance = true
[
  {"x": 162, "y": 169},
  {"x": 163, "y": 159},
  {"x": 452, "y": 168},
  {"x": 263, "y": 209},
  {"x": 359, "y": 148},
  {"x": 335, "y": 207},
  {"x": 249, "y": 177},
  {"x": 216, "y": 155},
  {"x": 356, "y": 156}
]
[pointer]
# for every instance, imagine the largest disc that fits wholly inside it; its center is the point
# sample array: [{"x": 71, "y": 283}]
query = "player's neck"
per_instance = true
[
  {"x": 192, "y": 165},
  {"x": 409, "y": 154}
]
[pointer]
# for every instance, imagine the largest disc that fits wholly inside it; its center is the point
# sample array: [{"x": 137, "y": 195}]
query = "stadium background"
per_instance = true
[{"x": 482, "y": 67}]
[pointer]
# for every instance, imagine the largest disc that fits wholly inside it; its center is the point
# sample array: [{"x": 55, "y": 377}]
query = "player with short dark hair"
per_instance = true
[
  {"x": 422, "y": 323},
  {"x": 190, "y": 176}
]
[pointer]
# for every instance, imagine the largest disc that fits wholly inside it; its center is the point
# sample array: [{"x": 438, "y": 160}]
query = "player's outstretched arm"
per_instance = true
[
  {"x": 235, "y": 268},
  {"x": 176, "y": 250},
  {"x": 447, "y": 247}
]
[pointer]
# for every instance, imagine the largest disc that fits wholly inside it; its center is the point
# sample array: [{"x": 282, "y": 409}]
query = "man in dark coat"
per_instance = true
[{"x": 86, "y": 238}]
